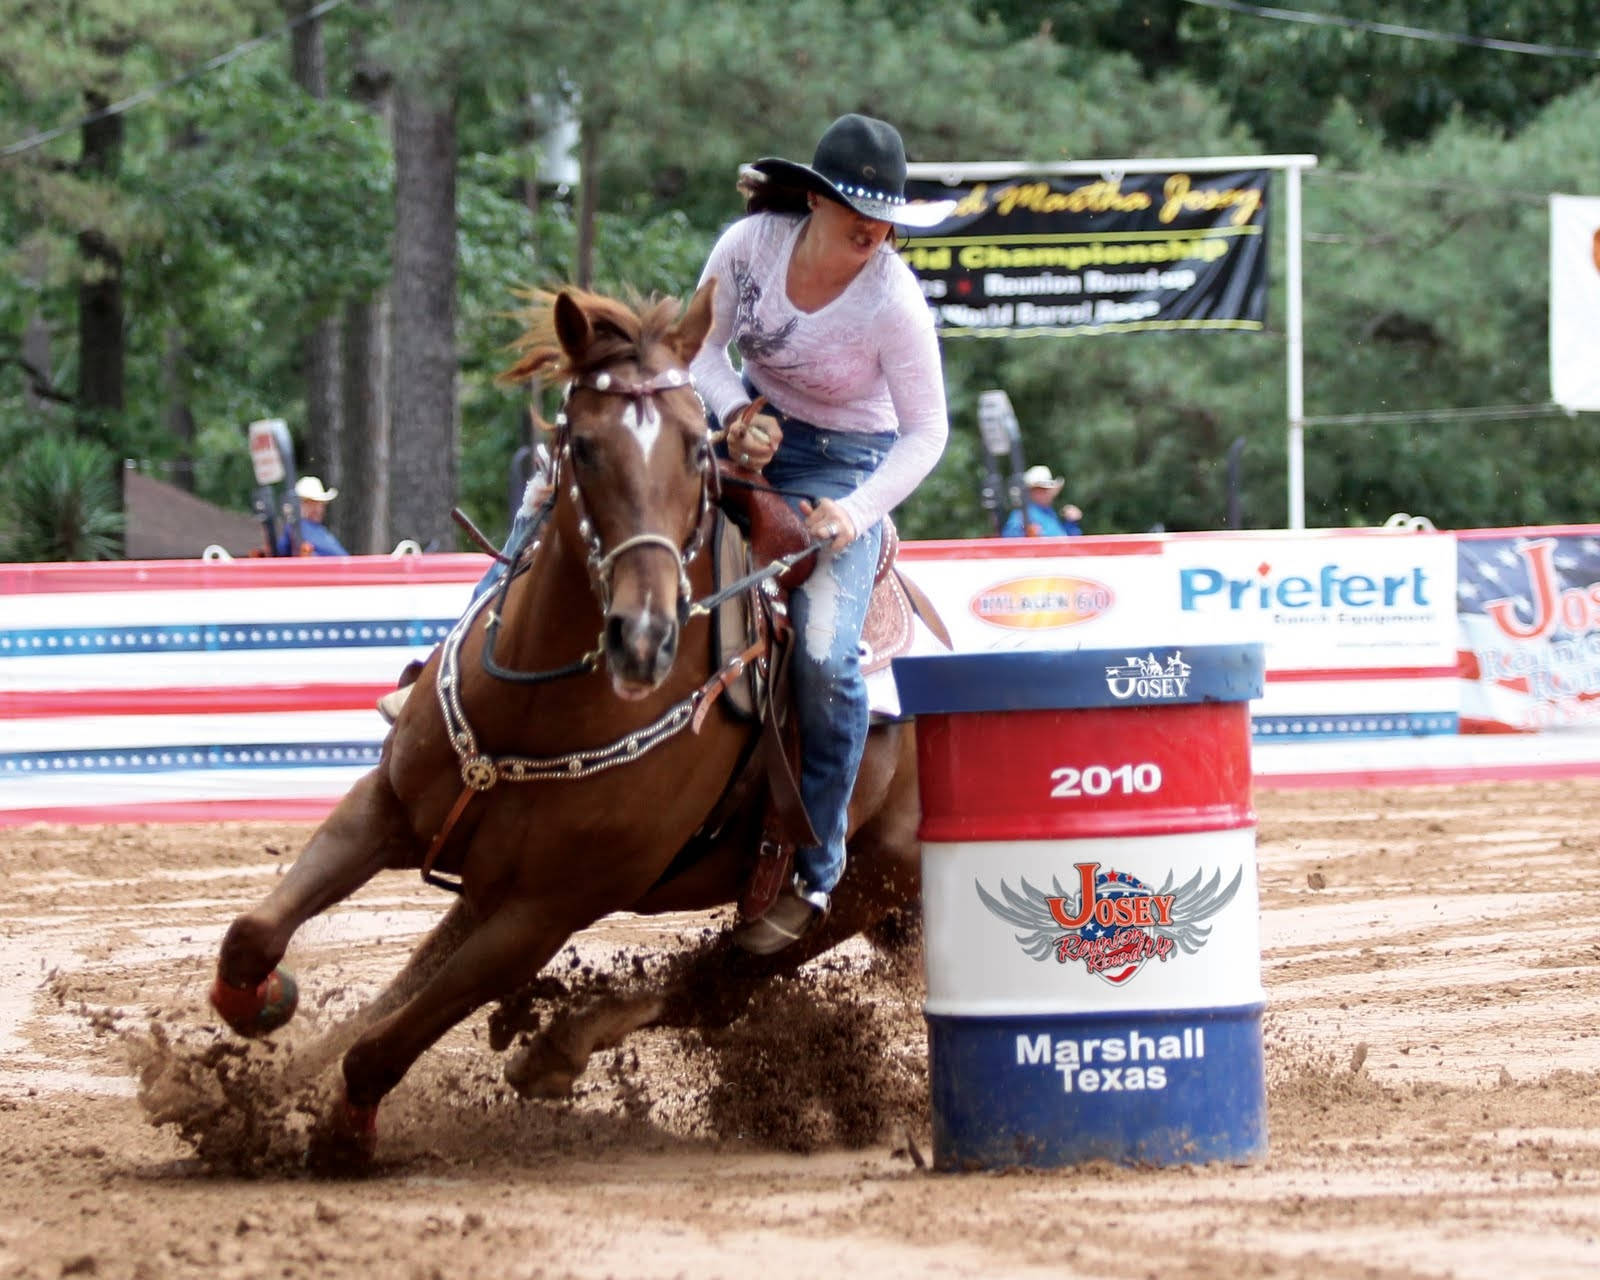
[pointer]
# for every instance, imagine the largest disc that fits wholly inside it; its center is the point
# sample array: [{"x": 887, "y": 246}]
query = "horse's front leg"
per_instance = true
[
  {"x": 365, "y": 833},
  {"x": 516, "y": 940}
]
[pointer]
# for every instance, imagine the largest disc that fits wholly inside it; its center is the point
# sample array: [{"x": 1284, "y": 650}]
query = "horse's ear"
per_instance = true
[
  {"x": 686, "y": 337},
  {"x": 573, "y": 329}
]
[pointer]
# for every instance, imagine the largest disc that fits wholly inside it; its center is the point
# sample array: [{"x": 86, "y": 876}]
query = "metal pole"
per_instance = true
[{"x": 1296, "y": 356}]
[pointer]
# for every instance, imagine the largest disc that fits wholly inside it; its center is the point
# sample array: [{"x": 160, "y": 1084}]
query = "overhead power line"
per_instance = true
[
  {"x": 1392, "y": 29},
  {"x": 144, "y": 95}
]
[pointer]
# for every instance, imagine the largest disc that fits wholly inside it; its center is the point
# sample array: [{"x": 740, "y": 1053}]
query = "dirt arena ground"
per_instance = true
[{"x": 1432, "y": 963}]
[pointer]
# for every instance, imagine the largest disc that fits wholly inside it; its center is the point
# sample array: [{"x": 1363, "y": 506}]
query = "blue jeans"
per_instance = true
[{"x": 828, "y": 612}]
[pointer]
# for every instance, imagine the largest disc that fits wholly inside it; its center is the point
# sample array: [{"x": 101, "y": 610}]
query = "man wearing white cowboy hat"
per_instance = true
[
  {"x": 315, "y": 539},
  {"x": 1038, "y": 519}
]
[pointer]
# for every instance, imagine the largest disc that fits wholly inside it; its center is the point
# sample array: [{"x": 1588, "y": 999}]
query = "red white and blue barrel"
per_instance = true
[{"x": 1090, "y": 907}]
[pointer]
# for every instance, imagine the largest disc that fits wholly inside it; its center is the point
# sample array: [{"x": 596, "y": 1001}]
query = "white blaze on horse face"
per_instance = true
[{"x": 643, "y": 421}]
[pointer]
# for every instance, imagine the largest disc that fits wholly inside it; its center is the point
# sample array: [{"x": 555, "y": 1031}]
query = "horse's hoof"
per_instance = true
[
  {"x": 538, "y": 1071},
  {"x": 346, "y": 1141},
  {"x": 259, "y": 1010}
]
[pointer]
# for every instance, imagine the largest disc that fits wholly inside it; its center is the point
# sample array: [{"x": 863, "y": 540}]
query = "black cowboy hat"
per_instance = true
[{"x": 860, "y": 162}]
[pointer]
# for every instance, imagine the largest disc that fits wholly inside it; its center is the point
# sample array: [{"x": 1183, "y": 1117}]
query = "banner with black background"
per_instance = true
[{"x": 1034, "y": 256}]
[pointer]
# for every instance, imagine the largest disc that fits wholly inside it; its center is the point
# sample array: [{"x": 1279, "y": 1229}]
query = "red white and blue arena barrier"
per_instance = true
[
  {"x": 140, "y": 691},
  {"x": 183, "y": 690}
]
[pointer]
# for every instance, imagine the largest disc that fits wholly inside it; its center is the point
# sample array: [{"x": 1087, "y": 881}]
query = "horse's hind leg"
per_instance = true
[
  {"x": 551, "y": 1062},
  {"x": 365, "y": 833},
  {"x": 511, "y": 944},
  {"x": 712, "y": 985},
  {"x": 440, "y": 944}
]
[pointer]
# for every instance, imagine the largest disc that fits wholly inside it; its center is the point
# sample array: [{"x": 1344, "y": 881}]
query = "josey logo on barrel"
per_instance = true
[
  {"x": 1148, "y": 677},
  {"x": 1042, "y": 602},
  {"x": 1115, "y": 922}
]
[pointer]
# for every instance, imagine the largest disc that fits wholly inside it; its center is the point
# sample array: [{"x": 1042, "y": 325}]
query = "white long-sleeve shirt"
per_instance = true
[{"x": 866, "y": 362}]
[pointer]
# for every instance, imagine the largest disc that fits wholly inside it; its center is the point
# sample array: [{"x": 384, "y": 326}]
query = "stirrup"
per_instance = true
[
  {"x": 793, "y": 914},
  {"x": 389, "y": 705}
]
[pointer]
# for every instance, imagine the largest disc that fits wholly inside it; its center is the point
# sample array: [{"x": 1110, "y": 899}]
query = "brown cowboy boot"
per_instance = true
[{"x": 793, "y": 914}]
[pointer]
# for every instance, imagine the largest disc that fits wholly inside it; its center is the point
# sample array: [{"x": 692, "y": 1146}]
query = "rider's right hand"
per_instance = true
[{"x": 753, "y": 438}]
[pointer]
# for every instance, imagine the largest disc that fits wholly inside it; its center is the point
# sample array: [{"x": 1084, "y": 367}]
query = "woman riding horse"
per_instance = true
[{"x": 836, "y": 337}]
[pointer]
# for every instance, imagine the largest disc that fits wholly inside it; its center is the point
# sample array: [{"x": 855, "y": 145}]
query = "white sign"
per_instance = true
[
  {"x": 997, "y": 422},
  {"x": 1575, "y": 301},
  {"x": 265, "y": 455},
  {"x": 1365, "y": 599}
]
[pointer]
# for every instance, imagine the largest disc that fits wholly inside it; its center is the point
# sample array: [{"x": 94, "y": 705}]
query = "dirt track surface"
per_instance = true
[{"x": 1432, "y": 964}]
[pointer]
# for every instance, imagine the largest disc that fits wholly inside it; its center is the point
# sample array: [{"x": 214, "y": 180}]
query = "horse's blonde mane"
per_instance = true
[{"x": 623, "y": 328}]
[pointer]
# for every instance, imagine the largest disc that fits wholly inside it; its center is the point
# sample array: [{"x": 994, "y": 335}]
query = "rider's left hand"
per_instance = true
[{"x": 827, "y": 520}]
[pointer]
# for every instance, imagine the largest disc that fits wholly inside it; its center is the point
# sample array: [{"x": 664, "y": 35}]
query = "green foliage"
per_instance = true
[
  {"x": 1283, "y": 78},
  {"x": 243, "y": 210},
  {"x": 62, "y": 502},
  {"x": 503, "y": 248},
  {"x": 241, "y": 207},
  {"x": 1427, "y": 282}
]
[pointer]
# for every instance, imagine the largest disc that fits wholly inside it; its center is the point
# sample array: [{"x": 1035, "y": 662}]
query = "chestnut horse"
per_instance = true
[{"x": 550, "y": 756}]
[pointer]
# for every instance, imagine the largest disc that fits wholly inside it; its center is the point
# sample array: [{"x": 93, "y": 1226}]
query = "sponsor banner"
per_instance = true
[
  {"x": 1529, "y": 610},
  {"x": 1030, "y": 256},
  {"x": 1574, "y": 301},
  {"x": 1328, "y": 601},
  {"x": 1037, "y": 599},
  {"x": 1079, "y": 926},
  {"x": 1344, "y": 603}
]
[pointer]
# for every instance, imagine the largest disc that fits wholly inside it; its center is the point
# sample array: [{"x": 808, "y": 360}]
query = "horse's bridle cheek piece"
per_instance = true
[{"x": 602, "y": 563}]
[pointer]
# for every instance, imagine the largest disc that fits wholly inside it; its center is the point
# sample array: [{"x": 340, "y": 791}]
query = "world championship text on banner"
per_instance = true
[
  {"x": 1529, "y": 611},
  {"x": 1032, "y": 256}
]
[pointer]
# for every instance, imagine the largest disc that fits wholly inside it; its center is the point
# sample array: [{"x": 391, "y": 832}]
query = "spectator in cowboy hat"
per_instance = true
[
  {"x": 315, "y": 539},
  {"x": 1037, "y": 518}
]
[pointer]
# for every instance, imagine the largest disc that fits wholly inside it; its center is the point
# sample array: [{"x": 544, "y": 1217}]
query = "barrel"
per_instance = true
[{"x": 1090, "y": 907}]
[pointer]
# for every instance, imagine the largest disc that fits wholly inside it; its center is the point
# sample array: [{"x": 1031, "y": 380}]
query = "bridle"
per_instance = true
[{"x": 641, "y": 396}]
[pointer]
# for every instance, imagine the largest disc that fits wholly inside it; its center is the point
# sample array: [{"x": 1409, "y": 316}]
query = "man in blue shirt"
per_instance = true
[
  {"x": 315, "y": 539},
  {"x": 1038, "y": 518}
]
